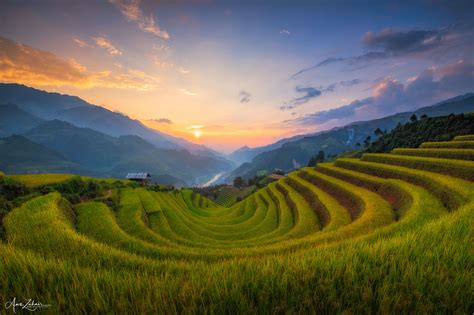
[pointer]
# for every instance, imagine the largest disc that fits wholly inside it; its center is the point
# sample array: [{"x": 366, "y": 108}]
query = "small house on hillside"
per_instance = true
[{"x": 141, "y": 178}]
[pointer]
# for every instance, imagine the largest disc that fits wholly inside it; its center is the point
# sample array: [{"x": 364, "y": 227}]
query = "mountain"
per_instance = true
[
  {"x": 39, "y": 103},
  {"x": 246, "y": 154},
  {"x": 20, "y": 155},
  {"x": 456, "y": 105},
  {"x": 109, "y": 156},
  {"x": 84, "y": 146},
  {"x": 101, "y": 141},
  {"x": 49, "y": 106},
  {"x": 114, "y": 124},
  {"x": 292, "y": 154},
  {"x": 14, "y": 120}
]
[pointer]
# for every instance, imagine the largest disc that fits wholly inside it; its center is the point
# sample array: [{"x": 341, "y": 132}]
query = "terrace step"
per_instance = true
[
  {"x": 456, "y": 168},
  {"x": 448, "y": 145},
  {"x": 464, "y": 138},
  {"x": 453, "y": 192},
  {"x": 455, "y": 154}
]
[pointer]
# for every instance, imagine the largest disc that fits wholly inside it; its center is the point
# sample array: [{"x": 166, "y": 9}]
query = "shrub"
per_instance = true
[{"x": 11, "y": 188}]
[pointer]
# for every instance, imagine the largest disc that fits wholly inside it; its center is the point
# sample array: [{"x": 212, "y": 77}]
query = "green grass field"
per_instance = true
[
  {"x": 387, "y": 233},
  {"x": 36, "y": 180}
]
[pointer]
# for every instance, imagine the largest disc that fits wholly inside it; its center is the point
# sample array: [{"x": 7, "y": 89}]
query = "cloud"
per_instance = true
[
  {"x": 193, "y": 127},
  {"x": 186, "y": 92},
  {"x": 330, "y": 88},
  {"x": 285, "y": 32},
  {"x": 350, "y": 82},
  {"x": 244, "y": 96},
  {"x": 161, "y": 48},
  {"x": 455, "y": 39},
  {"x": 183, "y": 70},
  {"x": 161, "y": 63},
  {"x": 390, "y": 96},
  {"x": 133, "y": 13},
  {"x": 107, "y": 45},
  {"x": 82, "y": 43},
  {"x": 394, "y": 42},
  {"x": 325, "y": 62},
  {"x": 162, "y": 121},
  {"x": 310, "y": 93},
  {"x": 25, "y": 64}
]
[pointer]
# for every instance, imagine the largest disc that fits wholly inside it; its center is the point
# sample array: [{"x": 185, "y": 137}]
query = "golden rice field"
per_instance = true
[{"x": 387, "y": 233}]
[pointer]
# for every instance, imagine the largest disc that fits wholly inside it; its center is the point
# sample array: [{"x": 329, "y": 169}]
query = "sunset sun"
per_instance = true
[{"x": 197, "y": 133}]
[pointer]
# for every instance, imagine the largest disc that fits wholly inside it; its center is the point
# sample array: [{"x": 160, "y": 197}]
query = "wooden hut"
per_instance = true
[{"x": 141, "y": 177}]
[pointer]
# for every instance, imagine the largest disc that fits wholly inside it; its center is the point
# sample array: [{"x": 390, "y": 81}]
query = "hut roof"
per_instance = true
[{"x": 141, "y": 175}]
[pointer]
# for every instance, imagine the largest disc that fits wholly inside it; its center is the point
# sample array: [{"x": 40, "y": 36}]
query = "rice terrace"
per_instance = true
[{"x": 368, "y": 209}]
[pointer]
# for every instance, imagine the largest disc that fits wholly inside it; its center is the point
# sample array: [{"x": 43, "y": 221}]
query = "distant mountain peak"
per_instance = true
[{"x": 50, "y": 105}]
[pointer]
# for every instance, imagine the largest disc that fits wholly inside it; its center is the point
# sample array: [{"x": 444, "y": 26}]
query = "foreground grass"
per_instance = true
[{"x": 360, "y": 277}]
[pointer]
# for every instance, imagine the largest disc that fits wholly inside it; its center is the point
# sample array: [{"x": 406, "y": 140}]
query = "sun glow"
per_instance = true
[{"x": 197, "y": 133}]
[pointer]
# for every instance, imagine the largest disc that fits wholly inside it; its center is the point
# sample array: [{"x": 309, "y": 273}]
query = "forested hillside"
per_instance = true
[{"x": 424, "y": 129}]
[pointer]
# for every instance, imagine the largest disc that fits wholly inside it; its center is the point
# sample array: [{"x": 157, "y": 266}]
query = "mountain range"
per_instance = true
[
  {"x": 49, "y": 132},
  {"x": 87, "y": 139},
  {"x": 292, "y": 153}
]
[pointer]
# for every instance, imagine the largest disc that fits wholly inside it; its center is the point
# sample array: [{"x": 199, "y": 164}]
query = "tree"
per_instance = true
[
  {"x": 413, "y": 118},
  {"x": 424, "y": 116},
  {"x": 315, "y": 159},
  {"x": 239, "y": 182},
  {"x": 367, "y": 141},
  {"x": 413, "y": 134},
  {"x": 278, "y": 171},
  {"x": 378, "y": 132},
  {"x": 251, "y": 181},
  {"x": 321, "y": 157},
  {"x": 358, "y": 144},
  {"x": 12, "y": 189}
]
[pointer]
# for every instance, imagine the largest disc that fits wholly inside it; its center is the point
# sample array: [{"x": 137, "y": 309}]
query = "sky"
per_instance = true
[{"x": 232, "y": 73}]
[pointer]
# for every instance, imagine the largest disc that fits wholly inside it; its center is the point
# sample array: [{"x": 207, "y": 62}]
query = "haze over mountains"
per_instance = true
[
  {"x": 49, "y": 132},
  {"x": 92, "y": 140}
]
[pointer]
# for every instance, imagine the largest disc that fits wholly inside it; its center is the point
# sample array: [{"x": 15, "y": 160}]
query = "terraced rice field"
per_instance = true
[
  {"x": 229, "y": 195},
  {"x": 387, "y": 233}
]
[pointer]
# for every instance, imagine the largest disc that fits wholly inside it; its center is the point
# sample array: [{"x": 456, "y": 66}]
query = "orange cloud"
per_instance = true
[
  {"x": 132, "y": 12},
  {"x": 106, "y": 44},
  {"x": 160, "y": 63},
  {"x": 183, "y": 70},
  {"x": 25, "y": 64},
  {"x": 82, "y": 43},
  {"x": 186, "y": 92}
]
